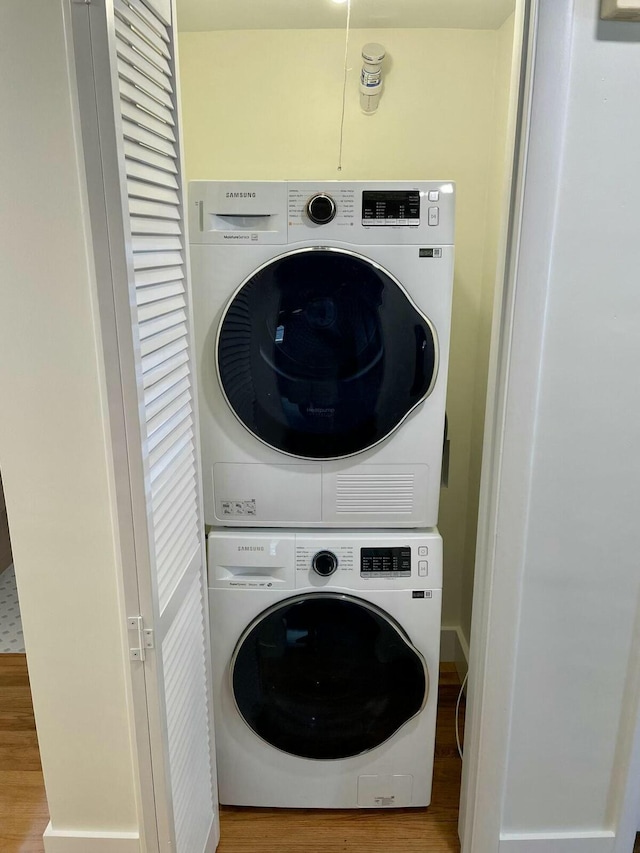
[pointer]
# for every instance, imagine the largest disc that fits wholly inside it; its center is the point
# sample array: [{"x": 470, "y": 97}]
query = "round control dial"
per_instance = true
[
  {"x": 321, "y": 208},
  {"x": 324, "y": 563}
]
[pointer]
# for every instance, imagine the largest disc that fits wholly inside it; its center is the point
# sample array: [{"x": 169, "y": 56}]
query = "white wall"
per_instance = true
[
  {"x": 53, "y": 448},
  {"x": 266, "y": 104},
  {"x": 568, "y": 580}
]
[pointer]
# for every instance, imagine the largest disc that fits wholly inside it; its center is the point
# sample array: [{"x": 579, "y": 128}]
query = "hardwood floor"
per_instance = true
[
  {"x": 363, "y": 831},
  {"x": 23, "y": 805}
]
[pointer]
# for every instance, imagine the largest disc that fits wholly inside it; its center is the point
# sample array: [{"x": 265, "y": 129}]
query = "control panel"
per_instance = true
[
  {"x": 347, "y": 560},
  {"x": 245, "y": 213}
]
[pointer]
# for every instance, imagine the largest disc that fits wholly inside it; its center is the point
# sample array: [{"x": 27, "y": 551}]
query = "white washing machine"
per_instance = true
[
  {"x": 325, "y": 663},
  {"x": 322, "y": 315}
]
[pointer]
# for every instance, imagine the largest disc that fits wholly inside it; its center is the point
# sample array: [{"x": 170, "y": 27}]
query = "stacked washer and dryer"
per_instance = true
[{"x": 322, "y": 315}]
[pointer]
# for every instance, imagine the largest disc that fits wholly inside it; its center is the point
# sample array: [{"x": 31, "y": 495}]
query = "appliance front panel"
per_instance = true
[
  {"x": 254, "y": 773},
  {"x": 327, "y": 491}
]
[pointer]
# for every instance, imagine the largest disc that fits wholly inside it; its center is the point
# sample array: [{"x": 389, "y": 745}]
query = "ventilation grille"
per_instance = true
[{"x": 373, "y": 494}]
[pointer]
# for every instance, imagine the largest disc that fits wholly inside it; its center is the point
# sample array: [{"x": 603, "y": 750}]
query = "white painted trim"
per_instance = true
[
  {"x": 577, "y": 842},
  {"x": 77, "y": 841},
  {"x": 519, "y": 317}
]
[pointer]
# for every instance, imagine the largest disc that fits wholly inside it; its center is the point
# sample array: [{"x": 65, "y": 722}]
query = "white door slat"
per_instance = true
[
  {"x": 191, "y": 797},
  {"x": 154, "y": 396},
  {"x": 135, "y": 41},
  {"x": 142, "y": 172},
  {"x": 136, "y": 96},
  {"x": 140, "y": 225},
  {"x": 141, "y": 207},
  {"x": 174, "y": 526},
  {"x": 167, "y": 523},
  {"x": 183, "y": 433},
  {"x": 161, "y": 8},
  {"x": 155, "y": 342},
  {"x": 155, "y": 260},
  {"x": 183, "y": 472},
  {"x": 145, "y": 260},
  {"x": 163, "y": 489},
  {"x": 152, "y": 20},
  {"x": 153, "y": 376},
  {"x": 154, "y": 326},
  {"x": 143, "y": 278},
  {"x": 163, "y": 400},
  {"x": 160, "y": 308},
  {"x": 156, "y": 243},
  {"x": 172, "y": 424},
  {"x": 150, "y": 362},
  {"x": 159, "y": 291},
  {"x": 182, "y": 485},
  {"x": 150, "y": 35},
  {"x": 146, "y": 120},
  {"x": 127, "y": 72},
  {"x": 139, "y": 134},
  {"x": 166, "y": 462},
  {"x": 148, "y": 69},
  {"x": 144, "y": 154},
  {"x": 154, "y": 422},
  {"x": 137, "y": 189},
  {"x": 174, "y": 557},
  {"x": 165, "y": 478}
]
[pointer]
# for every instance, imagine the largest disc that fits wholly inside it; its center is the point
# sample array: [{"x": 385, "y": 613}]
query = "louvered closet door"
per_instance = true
[{"x": 133, "y": 41}]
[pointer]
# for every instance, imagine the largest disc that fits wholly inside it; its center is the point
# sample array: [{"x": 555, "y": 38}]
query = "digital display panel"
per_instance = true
[
  {"x": 386, "y": 562},
  {"x": 391, "y": 207}
]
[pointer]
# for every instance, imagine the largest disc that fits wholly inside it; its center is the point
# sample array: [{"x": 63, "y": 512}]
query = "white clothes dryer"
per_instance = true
[
  {"x": 322, "y": 314},
  {"x": 325, "y": 651}
]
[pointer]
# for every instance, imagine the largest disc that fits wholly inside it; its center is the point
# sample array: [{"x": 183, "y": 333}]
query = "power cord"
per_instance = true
[{"x": 462, "y": 686}]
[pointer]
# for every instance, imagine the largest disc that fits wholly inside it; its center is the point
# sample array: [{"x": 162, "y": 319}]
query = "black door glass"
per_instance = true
[
  {"x": 325, "y": 677},
  {"x": 321, "y": 354}
]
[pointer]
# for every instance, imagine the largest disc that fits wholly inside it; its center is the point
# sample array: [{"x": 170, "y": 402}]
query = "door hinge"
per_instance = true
[{"x": 143, "y": 638}]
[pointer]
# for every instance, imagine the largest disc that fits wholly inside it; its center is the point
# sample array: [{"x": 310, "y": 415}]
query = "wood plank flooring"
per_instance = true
[
  {"x": 363, "y": 831},
  {"x": 23, "y": 804}
]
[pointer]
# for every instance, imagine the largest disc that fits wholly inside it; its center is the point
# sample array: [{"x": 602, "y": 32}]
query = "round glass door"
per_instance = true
[
  {"x": 327, "y": 676},
  {"x": 321, "y": 354}
]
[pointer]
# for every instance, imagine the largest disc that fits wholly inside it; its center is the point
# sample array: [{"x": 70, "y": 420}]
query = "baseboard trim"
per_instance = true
[
  {"x": 574, "y": 842},
  {"x": 454, "y": 649},
  {"x": 77, "y": 841}
]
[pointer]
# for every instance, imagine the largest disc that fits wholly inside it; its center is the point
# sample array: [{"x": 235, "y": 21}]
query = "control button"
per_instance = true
[
  {"x": 423, "y": 568},
  {"x": 321, "y": 208},
  {"x": 434, "y": 195},
  {"x": 423, "y": 551},
  {"x": 324, "y": 563},
  {"x": 403, "y": 221},
  {"x": 434, "y": 215}
]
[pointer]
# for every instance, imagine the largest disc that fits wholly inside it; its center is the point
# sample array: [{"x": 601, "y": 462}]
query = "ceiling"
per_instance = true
[{"x": 321, "y": 14}]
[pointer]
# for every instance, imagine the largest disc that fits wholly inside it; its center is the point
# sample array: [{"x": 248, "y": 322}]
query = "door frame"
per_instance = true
[{"x": 514, "y": 377}]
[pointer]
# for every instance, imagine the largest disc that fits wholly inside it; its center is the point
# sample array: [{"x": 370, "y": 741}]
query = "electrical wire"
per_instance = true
[
  {"x": 462, "y": 686},
  {"x": 344, "y": 82}
]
